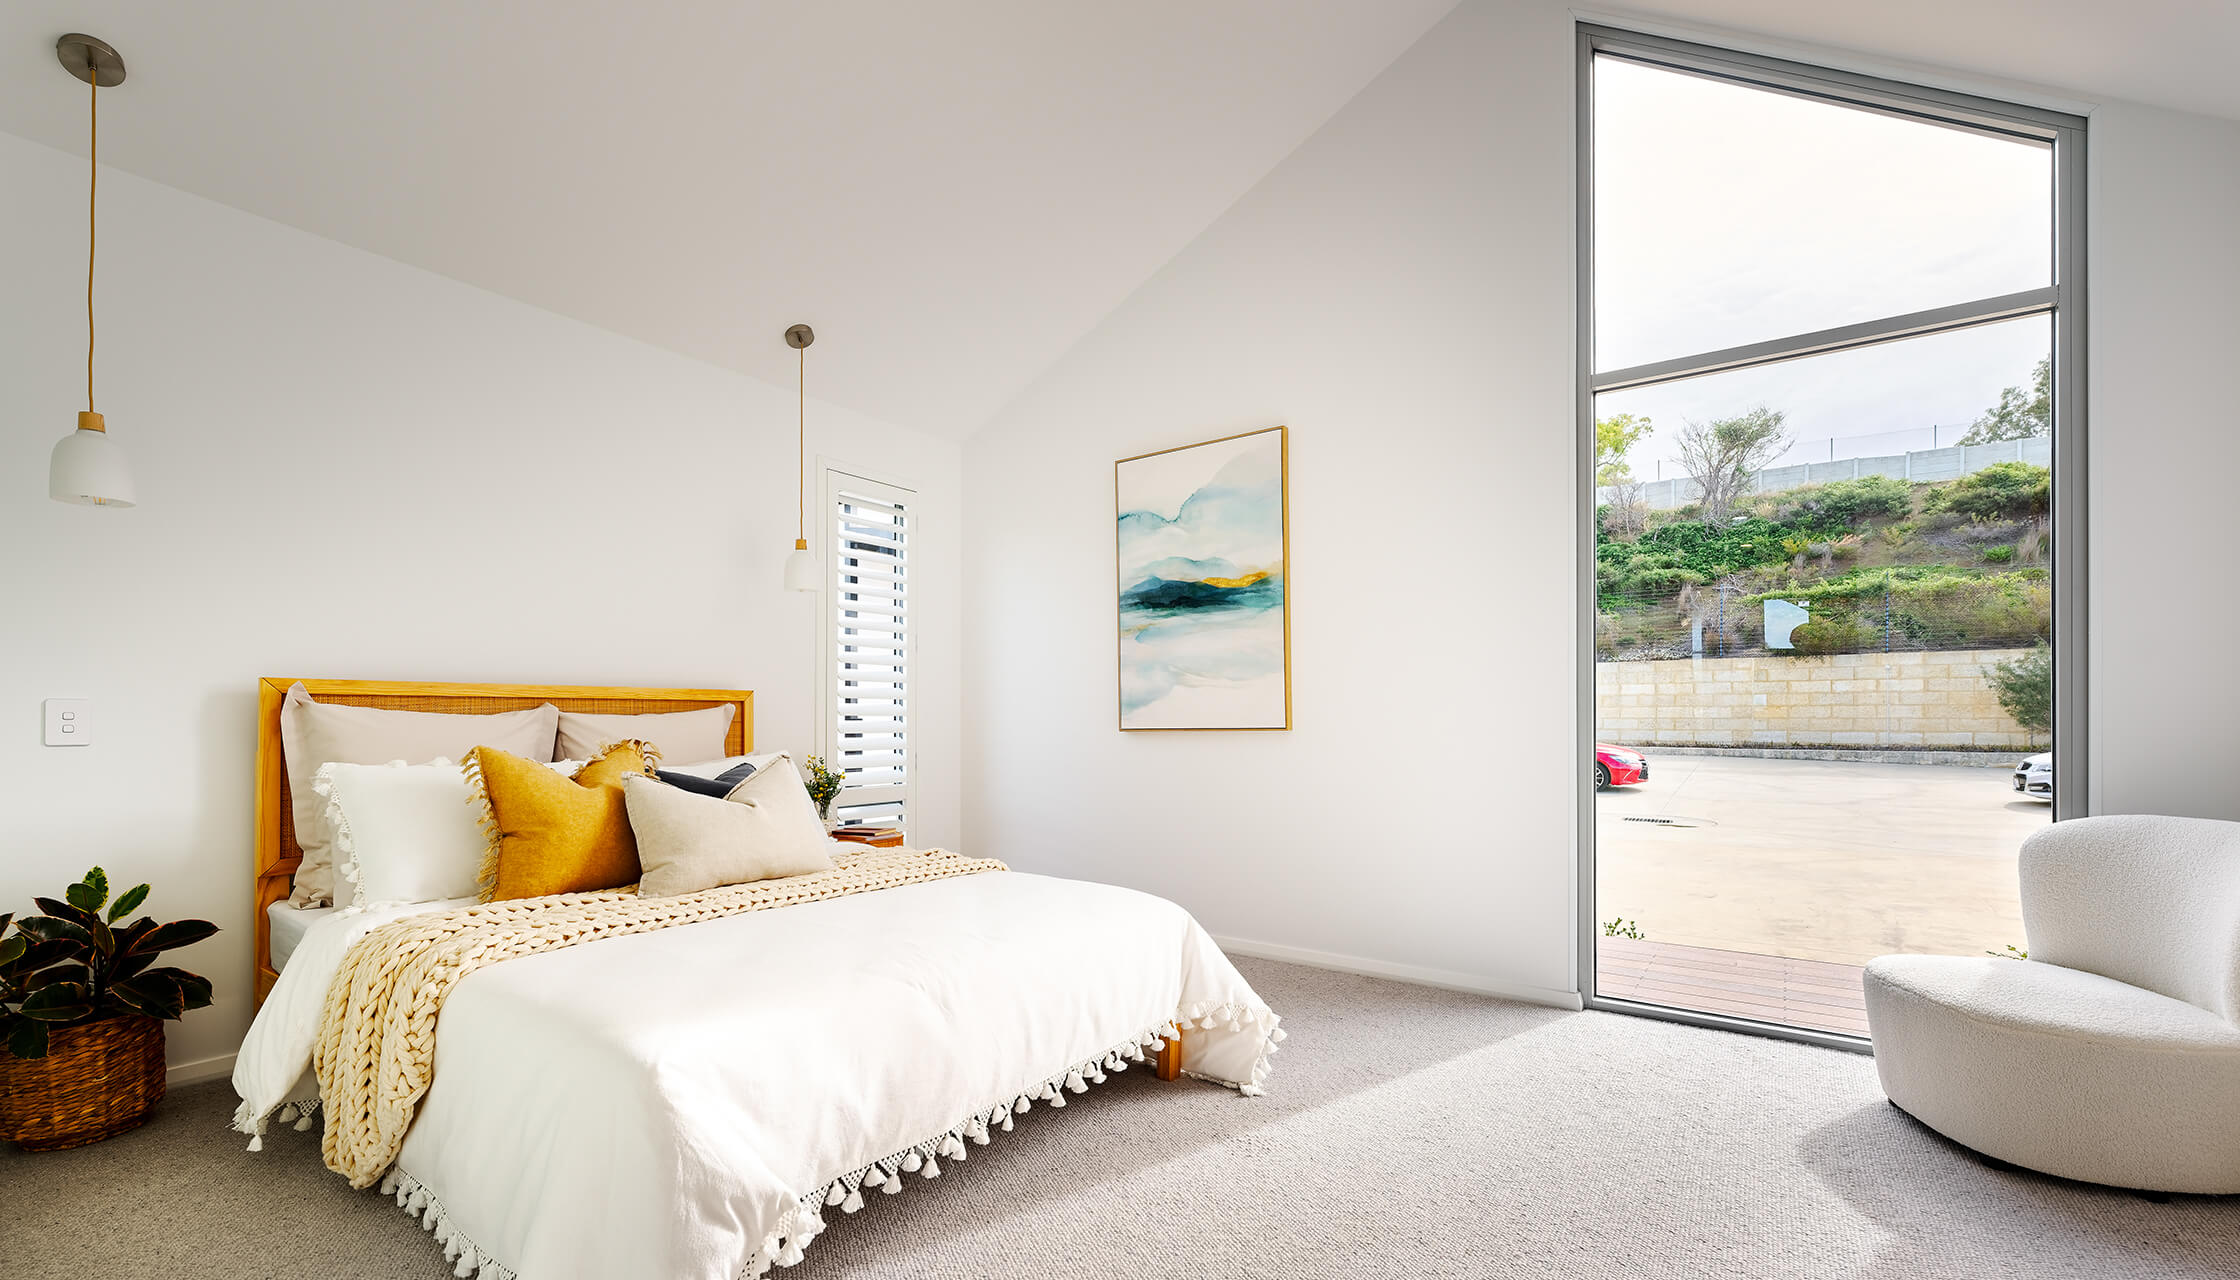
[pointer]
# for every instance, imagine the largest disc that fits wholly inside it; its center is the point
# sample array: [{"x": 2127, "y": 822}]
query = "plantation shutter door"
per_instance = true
[{"x": 868, "y": 734}]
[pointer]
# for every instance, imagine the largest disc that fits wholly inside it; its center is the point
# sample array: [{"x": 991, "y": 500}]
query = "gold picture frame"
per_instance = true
[{"x": 1233, "y": 587}]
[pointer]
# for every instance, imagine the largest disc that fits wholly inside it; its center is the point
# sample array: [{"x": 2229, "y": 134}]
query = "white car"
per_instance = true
[{"x": 2034, "y": 776}]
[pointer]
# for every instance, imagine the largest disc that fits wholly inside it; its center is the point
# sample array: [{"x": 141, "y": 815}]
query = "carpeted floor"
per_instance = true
[{"x": 1407, "y": 1132}]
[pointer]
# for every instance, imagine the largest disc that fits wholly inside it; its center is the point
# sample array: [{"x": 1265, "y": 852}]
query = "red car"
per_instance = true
[{"x": 1618, "y": 766}]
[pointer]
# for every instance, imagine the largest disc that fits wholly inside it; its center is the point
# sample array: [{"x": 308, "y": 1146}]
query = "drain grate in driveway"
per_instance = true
[{"x": 1673, "y": 821}]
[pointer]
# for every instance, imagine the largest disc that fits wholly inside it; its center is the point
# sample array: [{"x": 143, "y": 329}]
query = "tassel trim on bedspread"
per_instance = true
[
  {"x": 246, "y": 1120},
  {"x": 415, "y": 1199},
  {"x": 788, "y": 1242}
]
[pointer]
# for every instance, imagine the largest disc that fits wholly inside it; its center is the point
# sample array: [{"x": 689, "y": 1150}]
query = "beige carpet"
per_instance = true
[{"x": 1407, "y": 1132}]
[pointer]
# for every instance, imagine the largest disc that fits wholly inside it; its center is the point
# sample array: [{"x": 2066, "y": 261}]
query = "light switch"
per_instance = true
[{"x": 69, "y": 722}]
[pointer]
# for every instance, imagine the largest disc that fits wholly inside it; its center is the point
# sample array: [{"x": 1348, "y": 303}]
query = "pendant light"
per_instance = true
[
  {"x": 87, "y": 466},
  {"x": 801, "y": 566}
]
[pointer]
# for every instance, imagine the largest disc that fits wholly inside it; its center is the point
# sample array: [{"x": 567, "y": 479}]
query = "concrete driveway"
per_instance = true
[{"x": 1816, "y": 860}]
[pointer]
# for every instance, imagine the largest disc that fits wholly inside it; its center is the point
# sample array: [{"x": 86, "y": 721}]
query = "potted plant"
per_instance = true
[
  {"x": 824, "y": 787},
  {"x": 82, "y": 1007}
]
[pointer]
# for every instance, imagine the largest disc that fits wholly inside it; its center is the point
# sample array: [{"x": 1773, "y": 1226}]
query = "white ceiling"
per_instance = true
[
  {"x": 2167, "y": 53},
  {"x": 952, "y": 193}
]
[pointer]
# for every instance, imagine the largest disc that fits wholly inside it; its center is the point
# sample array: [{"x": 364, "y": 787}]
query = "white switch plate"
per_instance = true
[{"x": 69, "y": 722}]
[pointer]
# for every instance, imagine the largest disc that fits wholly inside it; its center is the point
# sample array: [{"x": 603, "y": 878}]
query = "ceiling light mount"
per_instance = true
[
  {"x": 800, "y": 336},
  {"x": 90, "y": 59}
]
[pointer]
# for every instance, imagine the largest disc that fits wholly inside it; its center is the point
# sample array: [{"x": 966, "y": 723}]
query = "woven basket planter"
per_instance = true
[{"x": 98, "y": 1079}]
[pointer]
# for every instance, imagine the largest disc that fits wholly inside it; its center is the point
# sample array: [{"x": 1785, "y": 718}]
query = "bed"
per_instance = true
[{"x": 693, "y": 1098}]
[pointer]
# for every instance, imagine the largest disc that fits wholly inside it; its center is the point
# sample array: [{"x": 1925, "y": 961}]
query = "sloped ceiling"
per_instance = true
[
  {"x": 2177, "y": 54},
  {"x": 951, "y": 193}
]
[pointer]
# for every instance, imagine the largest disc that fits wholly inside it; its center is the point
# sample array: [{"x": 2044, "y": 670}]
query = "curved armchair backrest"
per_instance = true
[{"x": 2152, "y": 901}]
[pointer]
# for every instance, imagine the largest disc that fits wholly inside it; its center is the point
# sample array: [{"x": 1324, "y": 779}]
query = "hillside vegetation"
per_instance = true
[{"x": 1879, "y": 563}]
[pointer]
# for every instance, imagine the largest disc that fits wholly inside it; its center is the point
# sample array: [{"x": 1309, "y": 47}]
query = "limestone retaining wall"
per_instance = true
[{"x": 1843, "y": 700}]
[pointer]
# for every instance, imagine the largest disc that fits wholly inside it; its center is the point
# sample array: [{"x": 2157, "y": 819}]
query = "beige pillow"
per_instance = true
[
  {"x": 767, "y": 828},
  {"x": 677, "y": 735},
  {"x": 316, "y": 733}
]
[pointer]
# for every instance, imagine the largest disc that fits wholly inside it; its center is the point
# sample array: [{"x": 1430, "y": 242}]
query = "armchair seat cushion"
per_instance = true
[{"x": 2060, "y": 1070}]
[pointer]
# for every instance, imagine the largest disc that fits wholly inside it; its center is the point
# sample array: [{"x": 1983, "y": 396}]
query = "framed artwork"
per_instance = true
[{"x": 1204, "y": 559}]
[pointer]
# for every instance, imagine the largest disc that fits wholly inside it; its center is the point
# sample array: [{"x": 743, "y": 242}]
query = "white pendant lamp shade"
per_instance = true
[
  {"x": 801, "y": 567},
  {"x": 88, "y": 467}
]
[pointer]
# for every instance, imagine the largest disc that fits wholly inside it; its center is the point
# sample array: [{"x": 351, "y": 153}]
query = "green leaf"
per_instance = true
[
  {"x": 62, "y": 1002},
  {"x": 153, "y": 993},
  {"x": 126, "y": 965},
  {"x": 89, "y": 893},
  {"x": 128, "y": 961},
  {"x": 65, "y": 911},
  {"x": 55, "y": 929},
  {"x": 27, "y": 1038},
  {"x": 98, "y": 936},
  {"x": 127, "y": 902},
  {"x": 178, "y": 933},
  {"x": 38, "y": 956},
  {"x": 52, "y": 974},
  {"x": 12, "y": 949},
  {"x": 194, "y": 989}
]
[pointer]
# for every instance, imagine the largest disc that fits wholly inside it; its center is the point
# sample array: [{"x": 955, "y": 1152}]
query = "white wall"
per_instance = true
[
  {"x": 1399, "y": 291},
  {"x": 2164, "y": 233},
  {"x": 352, "y": 468}
]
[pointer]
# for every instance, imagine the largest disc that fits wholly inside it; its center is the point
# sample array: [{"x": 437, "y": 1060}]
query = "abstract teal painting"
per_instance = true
[{"x": 1205, "y": 622}]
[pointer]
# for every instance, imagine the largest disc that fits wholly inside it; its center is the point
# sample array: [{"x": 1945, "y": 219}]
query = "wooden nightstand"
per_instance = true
[{"x": 876, "y": 837}]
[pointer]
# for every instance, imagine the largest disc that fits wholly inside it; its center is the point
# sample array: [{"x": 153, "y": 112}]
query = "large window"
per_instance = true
[
  {"x": 869, "y": 647},
  {"x": 1830, "y": 416}
]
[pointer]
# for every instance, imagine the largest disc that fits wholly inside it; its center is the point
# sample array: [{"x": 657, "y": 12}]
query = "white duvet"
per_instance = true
[{"x": 689, "y": 1102}]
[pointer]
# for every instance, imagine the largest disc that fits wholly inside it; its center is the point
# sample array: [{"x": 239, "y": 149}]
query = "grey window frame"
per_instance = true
[{"x": 2064, "y": 301}]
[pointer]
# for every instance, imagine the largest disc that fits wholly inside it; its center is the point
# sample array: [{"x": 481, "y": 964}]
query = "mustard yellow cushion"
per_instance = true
[{"x": 550, "y": 834}]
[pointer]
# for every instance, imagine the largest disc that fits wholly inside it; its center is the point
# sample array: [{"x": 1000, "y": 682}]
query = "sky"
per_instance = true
[{"x": 1726, "y": 215}]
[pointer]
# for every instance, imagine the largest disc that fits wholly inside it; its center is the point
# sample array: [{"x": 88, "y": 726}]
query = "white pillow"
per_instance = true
[
  {"x": 312, "y": 733},
  {"x": 678, "y": 735},
  {"x": 405, "y": 832},
  {"x": 765, "y": 829}
]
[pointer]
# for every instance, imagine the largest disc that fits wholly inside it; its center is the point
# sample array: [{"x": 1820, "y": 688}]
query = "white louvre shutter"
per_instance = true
[{"x": 868, "y": 730}]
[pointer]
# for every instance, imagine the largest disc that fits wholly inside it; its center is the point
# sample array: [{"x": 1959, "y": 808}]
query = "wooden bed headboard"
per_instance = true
[{"x": 277, "y": 852}]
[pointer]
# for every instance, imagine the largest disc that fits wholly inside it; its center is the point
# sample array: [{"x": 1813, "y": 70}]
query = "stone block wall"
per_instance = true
[{"x": 1913, "y": 700}]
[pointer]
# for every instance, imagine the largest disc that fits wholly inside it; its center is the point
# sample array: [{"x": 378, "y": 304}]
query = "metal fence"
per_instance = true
[{"x": 1920, "y": 467}]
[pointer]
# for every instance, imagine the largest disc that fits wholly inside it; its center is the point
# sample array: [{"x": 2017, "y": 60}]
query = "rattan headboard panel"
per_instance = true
[{"x": 277, "y": 852}]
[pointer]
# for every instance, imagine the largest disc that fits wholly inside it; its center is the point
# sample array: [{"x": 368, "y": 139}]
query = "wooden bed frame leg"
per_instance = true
[{"x": 1167, "y": 1063}]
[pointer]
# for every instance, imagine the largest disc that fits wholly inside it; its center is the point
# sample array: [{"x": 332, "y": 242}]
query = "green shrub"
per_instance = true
[
  {"x": 1841, "y": 504},
  {"x": 1647, "y": 567},
  {"x": 2025, "y": 688},
  {"x": 1661, "y": 582},
  {"x": 1998, "y": 555},
  {"x": 2001, "y": 491},
  {"x": 1838, "y": 633}
]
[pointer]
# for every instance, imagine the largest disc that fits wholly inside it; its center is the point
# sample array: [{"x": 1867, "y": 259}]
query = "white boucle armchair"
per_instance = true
[{"x": 2111, "y": 1055}]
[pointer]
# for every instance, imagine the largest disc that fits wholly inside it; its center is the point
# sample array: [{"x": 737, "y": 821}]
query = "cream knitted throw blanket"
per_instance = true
[{"x": 375, "y": 1055}]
